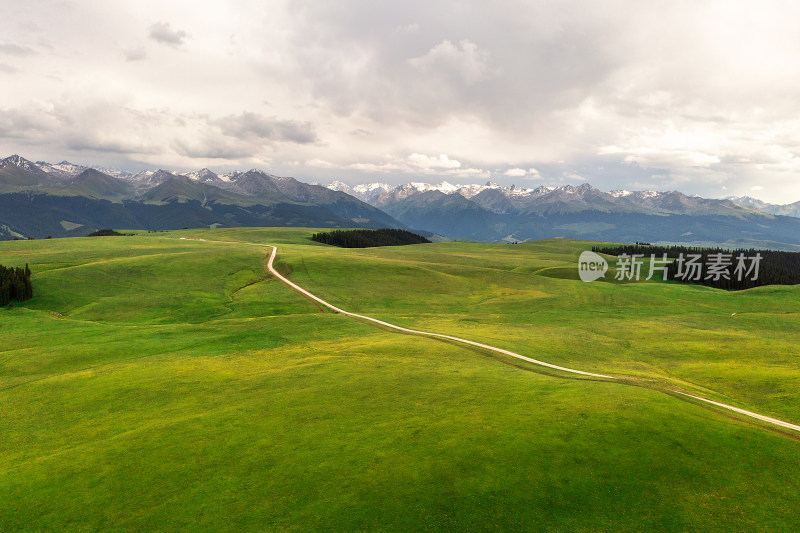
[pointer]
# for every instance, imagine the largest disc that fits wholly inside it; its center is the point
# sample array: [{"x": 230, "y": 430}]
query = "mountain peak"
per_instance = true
[
  {"x": 203, "y": 175},
  {"x": 18, "y": 161},
  {"x": 337, "y": 185},
  {"x": 64, "y": 169},
  {"x": 447, "y": 188}
]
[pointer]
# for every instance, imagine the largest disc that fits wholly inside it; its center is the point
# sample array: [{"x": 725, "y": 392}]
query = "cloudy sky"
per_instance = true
[{"x": 703, "y": 97}]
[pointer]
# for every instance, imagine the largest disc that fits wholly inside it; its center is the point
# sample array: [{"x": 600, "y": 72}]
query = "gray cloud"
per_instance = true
[
  {"x": 509, "y": 66},
  {"x": 463, "y": 61},
  {"x": 12, "y": 49},
  {"x": 100, "y": 143},
  {"x": 27, "y": 123},
  {"x": 135, "y": 54},
  {"x": 212, "y": 148},
  {"x": 701, "y": 96},
  {"x": 249, "y": 125},
  {"x": 162, "y": 32},
  {"x": 79, "y": 124}
]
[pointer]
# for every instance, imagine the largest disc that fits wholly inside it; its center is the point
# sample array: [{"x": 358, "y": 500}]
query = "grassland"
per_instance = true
[{"x": 181, "y": 388}]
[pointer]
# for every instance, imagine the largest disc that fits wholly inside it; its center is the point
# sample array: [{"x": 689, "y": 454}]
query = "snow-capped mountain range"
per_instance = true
[
  {"x": 163, "y": 199},
  {"x": 374, "y": 190},
  {"x": 43, "y": 199},
  {"x": 488, "y": 195},
  {"x": 790, "y": 210},
  {"x": 492, "y": 196},
  {"x": 66, "y": 170},
  {"x": 492, "y": 211}
]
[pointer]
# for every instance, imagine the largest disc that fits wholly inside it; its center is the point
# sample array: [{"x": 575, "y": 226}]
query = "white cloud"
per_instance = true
[
  {"x": 469, "y": 173},
  {"x": 424, "y": 162},
  {"x": 574, "y": 177},
  {"x": 378, "y": 167},
  {"x": 318, "y": 163},
  {"x": 515, "y": 172},
  {"x": 418, "y": 164}
]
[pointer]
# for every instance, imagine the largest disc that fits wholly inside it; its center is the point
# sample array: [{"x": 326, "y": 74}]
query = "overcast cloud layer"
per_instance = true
[{"x": 697, "y": 96}]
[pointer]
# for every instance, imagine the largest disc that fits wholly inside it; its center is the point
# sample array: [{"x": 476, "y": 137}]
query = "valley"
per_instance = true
[{"x": 182, "y": 384}]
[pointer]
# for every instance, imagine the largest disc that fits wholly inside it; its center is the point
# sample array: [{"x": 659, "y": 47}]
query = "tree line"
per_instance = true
[
  {"x": 15, "y": 284},
  {"x": 717, "y": 267},
  {"x": 366, "y": 238},
  {"x": 108, "y": 233}
]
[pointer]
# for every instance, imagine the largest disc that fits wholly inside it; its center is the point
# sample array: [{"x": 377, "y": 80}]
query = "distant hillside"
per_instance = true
[
  {"x": 63, "y": 199},
  {"x": 791, "y": 210},
  {"x": 39, "y": 200},
  {"x": 94, "y": 184},
  {"x": 492, "y": 212},
  {"x": 450, "y": 215}
]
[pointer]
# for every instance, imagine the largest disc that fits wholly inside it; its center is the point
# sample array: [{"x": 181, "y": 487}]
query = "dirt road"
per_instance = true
[{"x": 271, "y": 268}]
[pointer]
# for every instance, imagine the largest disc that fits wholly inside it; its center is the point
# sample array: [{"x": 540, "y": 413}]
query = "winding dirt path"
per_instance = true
[
  {"x": 271, "y": 269},
  {"x": 417, "y": 332}
]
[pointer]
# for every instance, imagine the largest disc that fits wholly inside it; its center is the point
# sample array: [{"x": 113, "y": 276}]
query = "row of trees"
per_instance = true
[
  {"x": 15, "y": 284},
  {"x": 715, "y": 267},
  {"x": 105, "y": 233},
  {"x": 366, "y": 238}
]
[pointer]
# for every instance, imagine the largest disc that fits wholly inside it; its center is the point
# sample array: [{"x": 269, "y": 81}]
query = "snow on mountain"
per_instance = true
[
  {"x": 148, "y": 179},
  {"x": 143, "y": 176},
  {"x": 790, "y": 210},
  {"x": 447, "y": 188},
  {"x": 369, "y": 192},
  {"x": 202, "y": 176},
  {"x": 468, "y": 191},
  {"x": 381, "y": 194},
  {"x": 748, "y": 201},
  {"x": 65, "y": 169},
  {"x": 520, "y": 192},
  {"x": 366, "y": 192},
  {"x": 21, "y": 162},
  {"x": 117, "y": 173},
  {"x": 230, "y": 176},
  {"x": 370, "y": 187},
  {"x": 565, "y": 198},
  {"x": 339, "y": 186},
  {"x": 419, "y": 186},
  {"x": 620, "y": 193},
  {"x": 639, "y": 195}
]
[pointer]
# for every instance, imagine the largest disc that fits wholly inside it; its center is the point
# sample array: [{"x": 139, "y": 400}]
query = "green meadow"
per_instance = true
[{"x": 161, "y": 384}]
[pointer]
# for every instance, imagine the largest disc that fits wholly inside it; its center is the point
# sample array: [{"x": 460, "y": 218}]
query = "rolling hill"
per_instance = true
[{"x": 160, "y": 383}]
